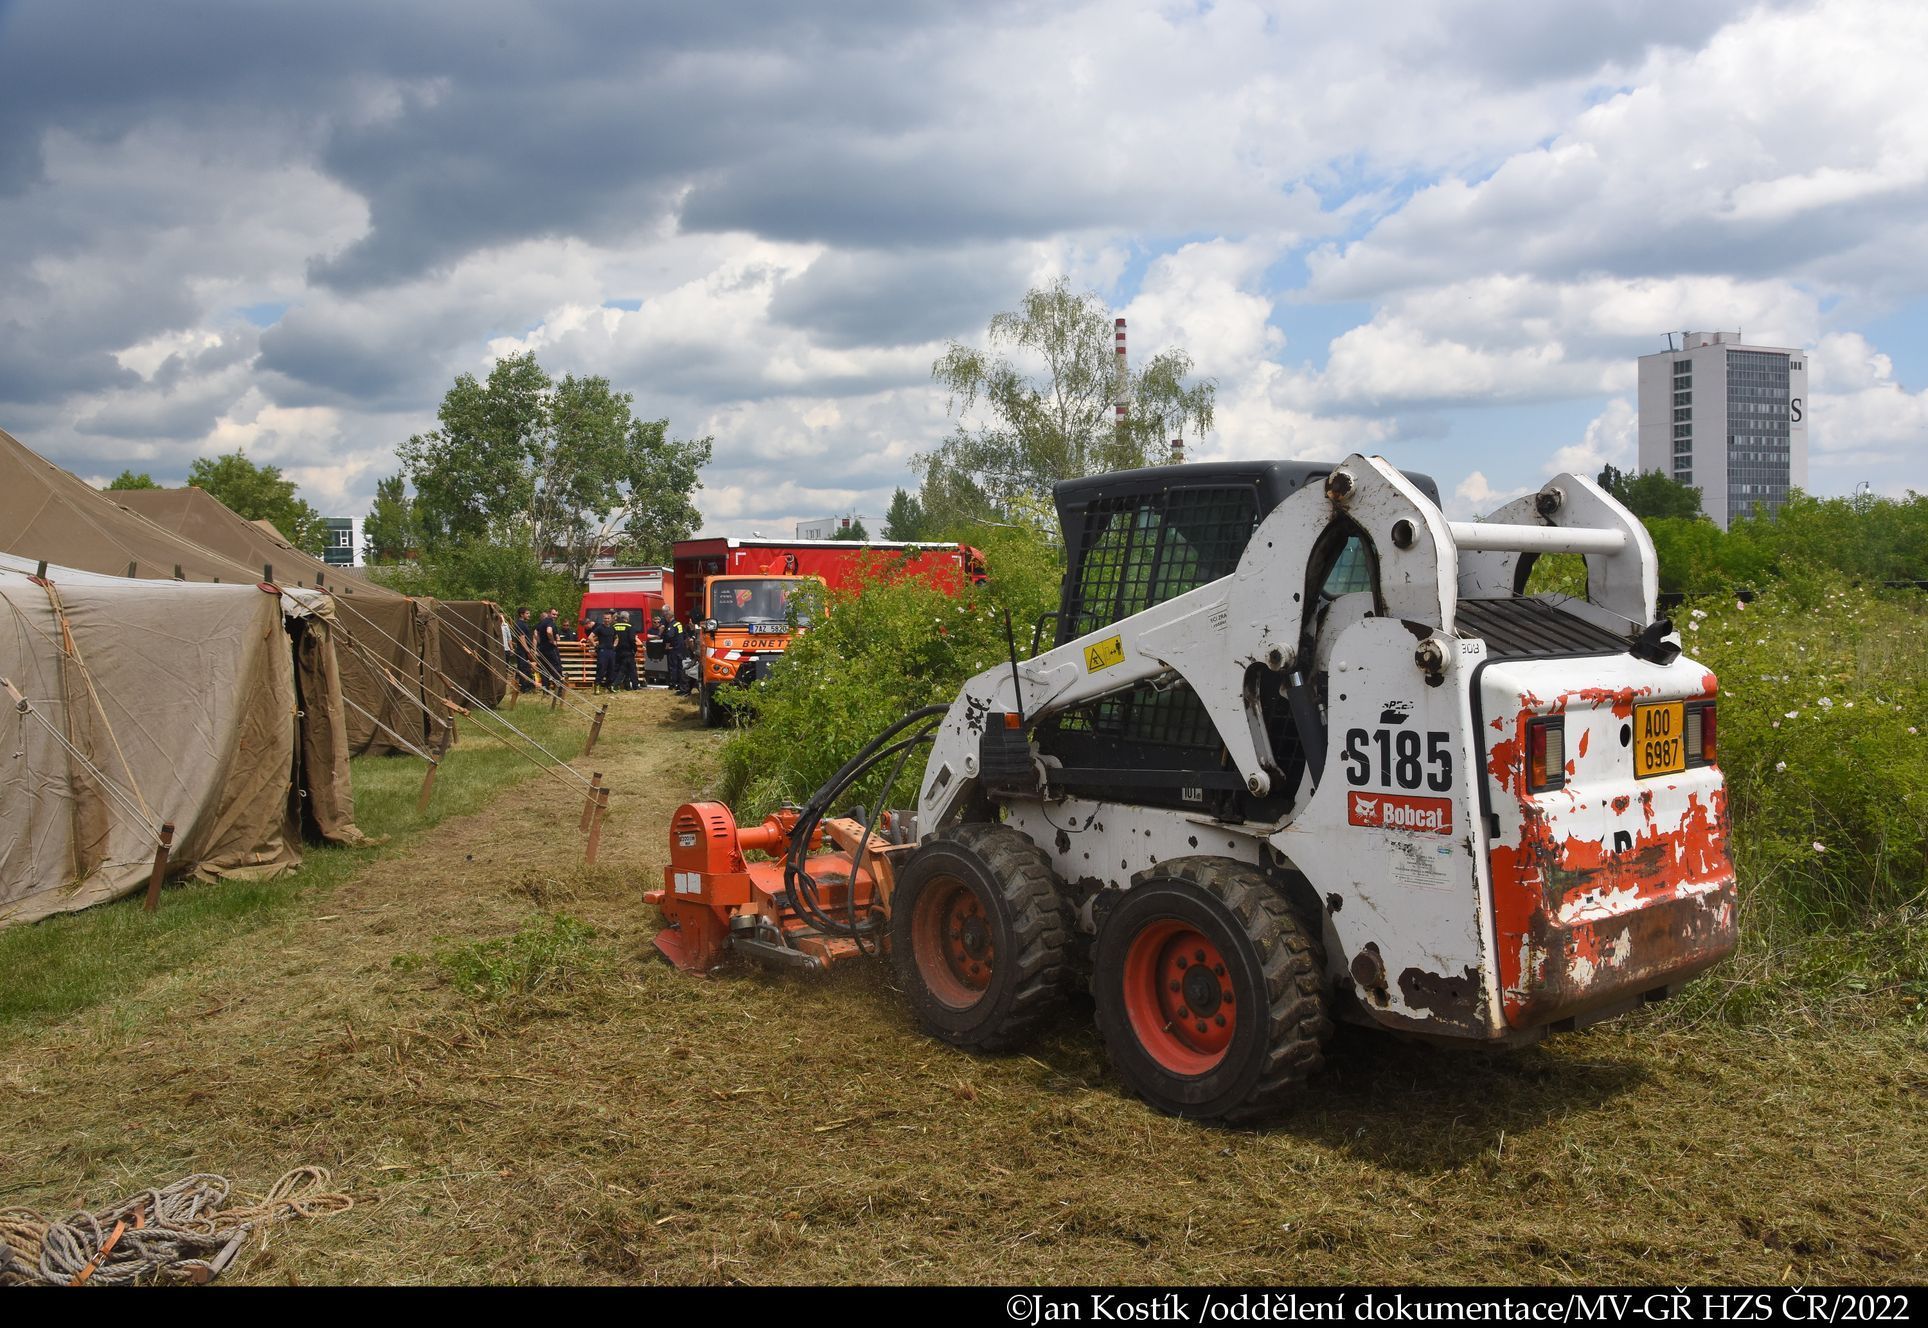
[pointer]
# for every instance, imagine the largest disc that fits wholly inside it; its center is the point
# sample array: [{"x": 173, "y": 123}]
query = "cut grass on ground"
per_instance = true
[
  {"x": 513, "y": 1098},
  {"x": 68, "y": 963}
]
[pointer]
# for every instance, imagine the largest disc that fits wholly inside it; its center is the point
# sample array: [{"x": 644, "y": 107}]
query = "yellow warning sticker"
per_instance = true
[{"x": 1106, "y": 653}]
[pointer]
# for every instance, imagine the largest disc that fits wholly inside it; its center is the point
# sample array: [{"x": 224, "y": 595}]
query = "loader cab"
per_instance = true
[{"x": 1137, "y": 538}]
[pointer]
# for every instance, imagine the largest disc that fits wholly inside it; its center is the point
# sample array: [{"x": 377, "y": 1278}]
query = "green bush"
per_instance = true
[
  {"x": 1824, "y": 703},
  {"x": 873, "y": 657},
  {"x": 1869, "y": 540}
]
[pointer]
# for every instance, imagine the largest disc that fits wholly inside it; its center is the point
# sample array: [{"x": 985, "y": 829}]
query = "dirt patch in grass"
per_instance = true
[{"x": 633, "y": 1124}]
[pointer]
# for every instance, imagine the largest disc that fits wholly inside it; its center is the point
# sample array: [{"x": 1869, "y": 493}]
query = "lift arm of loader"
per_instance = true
[{"x": 1212, "y": 637}]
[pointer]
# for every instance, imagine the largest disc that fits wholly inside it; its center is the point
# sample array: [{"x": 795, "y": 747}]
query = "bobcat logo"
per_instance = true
[
  {"x": 1401, "y": 813},
  {"x": 974, "y": 713},
  {"x": 1396, "y": 712}
]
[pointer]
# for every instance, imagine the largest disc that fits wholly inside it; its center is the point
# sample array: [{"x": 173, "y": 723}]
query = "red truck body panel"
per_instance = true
[{"x": 840, "y": 564}]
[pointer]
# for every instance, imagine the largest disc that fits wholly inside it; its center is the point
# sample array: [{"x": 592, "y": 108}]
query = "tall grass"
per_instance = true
[{"x": 76, "y": 960}]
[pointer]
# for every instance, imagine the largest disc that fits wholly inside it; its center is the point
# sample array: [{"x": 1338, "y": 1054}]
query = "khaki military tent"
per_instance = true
[
  {"x": 49, "y": 515},
  {"x": 466, "y": 643},
  {"x": 469, "y": 651},
  {"x": 130, "y": 704},
  {"x": 391, "y": 660}
]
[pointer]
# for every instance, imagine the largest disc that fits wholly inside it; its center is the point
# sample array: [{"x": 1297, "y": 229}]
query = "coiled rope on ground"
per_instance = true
[{"x": 184, "y": 1233}]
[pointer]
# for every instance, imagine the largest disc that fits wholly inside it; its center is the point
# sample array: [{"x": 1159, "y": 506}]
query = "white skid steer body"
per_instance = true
[{"x": 1507, "y": 819}]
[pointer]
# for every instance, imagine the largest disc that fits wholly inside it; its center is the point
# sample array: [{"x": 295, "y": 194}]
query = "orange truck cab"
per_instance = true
[{"x": 744, "y": 630}]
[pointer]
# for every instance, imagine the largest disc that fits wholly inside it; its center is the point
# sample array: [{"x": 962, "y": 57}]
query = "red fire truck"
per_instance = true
[{"x": 734, "y": 594}]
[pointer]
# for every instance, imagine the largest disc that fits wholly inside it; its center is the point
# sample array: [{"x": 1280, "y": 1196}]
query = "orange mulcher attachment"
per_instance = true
[{"x": 716, "y": 901}]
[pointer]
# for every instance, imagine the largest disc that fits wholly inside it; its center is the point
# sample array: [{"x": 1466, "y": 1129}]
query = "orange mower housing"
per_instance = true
[{"x": 716, "y": 900}]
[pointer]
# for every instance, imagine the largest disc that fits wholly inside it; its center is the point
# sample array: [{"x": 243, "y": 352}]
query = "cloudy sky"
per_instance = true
[{"x": 1439, "y": 232}]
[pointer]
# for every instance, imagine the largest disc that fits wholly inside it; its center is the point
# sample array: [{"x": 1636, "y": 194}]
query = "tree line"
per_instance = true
[{"x": 1870, "y": 540}]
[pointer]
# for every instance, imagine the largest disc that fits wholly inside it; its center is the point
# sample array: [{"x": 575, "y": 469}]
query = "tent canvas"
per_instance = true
[
  {"x": 48, "y": 514},
  {"x": 144, "y": 703},
  {"x": 388, "y": 664},
  {"x": 469, "y": 653}
]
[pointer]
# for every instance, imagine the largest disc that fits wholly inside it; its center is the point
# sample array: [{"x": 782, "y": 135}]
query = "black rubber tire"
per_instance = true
[
  {"x": 1274, "y": 964},
  {"x": 1029, "y": 930},
  {"x": 706, "y": 707}
]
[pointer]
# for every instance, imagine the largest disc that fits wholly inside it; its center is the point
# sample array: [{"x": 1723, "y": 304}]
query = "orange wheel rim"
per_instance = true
[
  {"x": 1178, "y": 997},
  {"x": 952, "y": 942}
]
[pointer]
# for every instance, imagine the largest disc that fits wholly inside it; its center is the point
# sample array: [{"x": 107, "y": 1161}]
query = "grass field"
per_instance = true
[
  {"x": 76, "y": 960},
  {"x": 513, "y": 1098}
]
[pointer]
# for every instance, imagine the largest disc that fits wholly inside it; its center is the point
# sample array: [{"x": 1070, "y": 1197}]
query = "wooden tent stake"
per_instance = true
[
  {"x": 160, "y": 867},
  {"x": 595, "y": 826},
  {"x": 428, "y": 787},
  {"x": 595, "y": 728},
  {"x": 589, "y": 804}
]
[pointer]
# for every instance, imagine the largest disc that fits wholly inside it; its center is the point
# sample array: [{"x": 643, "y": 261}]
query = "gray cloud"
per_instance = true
[
  {"x": 898, "y": 298},
  {"x": 1529, "y": 41}
]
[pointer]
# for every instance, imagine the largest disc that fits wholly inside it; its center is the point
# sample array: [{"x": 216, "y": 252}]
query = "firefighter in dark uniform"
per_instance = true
[
  {"x": 628, "y": 642},
  {"x": 675, "y": 651},
  {"x": 549, "y": 651},
  {"x": 604, "y": 636}
]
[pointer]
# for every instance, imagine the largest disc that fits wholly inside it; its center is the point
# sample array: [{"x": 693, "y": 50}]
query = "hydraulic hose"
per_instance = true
[
  {"x": 797, "y": 880},
  {"x": 803, "y": 886}
]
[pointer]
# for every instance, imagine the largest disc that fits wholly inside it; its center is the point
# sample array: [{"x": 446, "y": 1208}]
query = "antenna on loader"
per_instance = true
[{"x": 1011, "y": 645}]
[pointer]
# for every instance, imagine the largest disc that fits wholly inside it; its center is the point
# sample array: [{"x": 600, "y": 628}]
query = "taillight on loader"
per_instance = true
[
  {"x": 1545, "y": 755},
  {"x": 1701, "y": 746}
]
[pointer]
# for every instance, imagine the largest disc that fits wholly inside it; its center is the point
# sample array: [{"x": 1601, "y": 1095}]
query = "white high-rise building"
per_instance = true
[{"x": 1728, "y": 418}]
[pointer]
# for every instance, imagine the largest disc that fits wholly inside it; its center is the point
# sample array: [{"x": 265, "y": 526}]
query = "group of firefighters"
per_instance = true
[{"x": 536, "y": 645}]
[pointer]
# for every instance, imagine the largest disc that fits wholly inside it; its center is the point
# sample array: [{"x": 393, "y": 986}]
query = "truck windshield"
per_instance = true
[{"x": 755, "y": 602}]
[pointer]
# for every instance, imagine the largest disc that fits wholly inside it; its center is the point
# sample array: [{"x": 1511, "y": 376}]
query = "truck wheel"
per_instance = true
[
  {"x": 706, "y": 707},
  {"x": 1210, "y": 991},
  {"x": 980, "y": 936}
]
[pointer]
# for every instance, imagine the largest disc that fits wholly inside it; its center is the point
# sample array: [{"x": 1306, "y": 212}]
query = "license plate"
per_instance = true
[{"x": 1659, "y": 739}]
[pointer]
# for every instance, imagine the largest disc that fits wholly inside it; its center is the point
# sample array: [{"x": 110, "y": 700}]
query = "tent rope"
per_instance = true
[
  {"x": 127, "y": 804},
  {"x": 567, "y": 700},
  {"x": 395, "y": 684},
  {"x": 483, "y": 712},
  {"x": 377, "y": 722},
  {"x": 184, "y": 1233},
  {"x": 87, "y": 678},
  {"x": 342, "y": 602},
  {"x": 67, "y": 646}
]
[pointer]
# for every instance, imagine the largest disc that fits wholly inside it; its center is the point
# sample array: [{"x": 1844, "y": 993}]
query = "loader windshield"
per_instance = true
[{"x": 761, "y": 602}]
